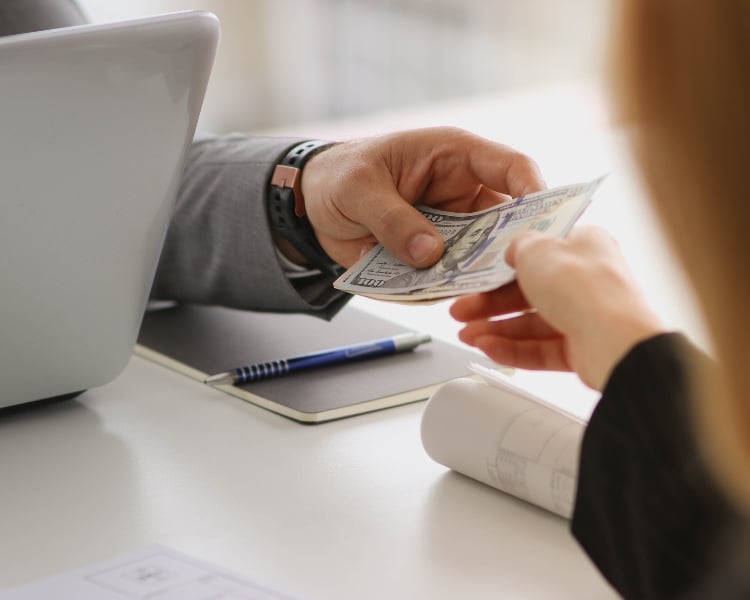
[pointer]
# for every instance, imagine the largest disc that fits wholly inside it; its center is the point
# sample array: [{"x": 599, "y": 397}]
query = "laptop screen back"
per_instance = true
[{"x": 96, "y": 122}]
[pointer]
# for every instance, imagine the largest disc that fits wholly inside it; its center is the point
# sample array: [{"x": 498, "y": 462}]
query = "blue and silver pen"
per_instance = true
[{"x": 398, "y": 343}]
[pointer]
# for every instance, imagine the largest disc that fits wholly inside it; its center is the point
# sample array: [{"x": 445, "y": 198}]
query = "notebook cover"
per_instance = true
[{"x": 201, "y": 340}]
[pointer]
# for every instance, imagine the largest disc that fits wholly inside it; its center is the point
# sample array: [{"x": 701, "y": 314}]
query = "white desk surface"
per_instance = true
[{"x": 349, "y": 509}]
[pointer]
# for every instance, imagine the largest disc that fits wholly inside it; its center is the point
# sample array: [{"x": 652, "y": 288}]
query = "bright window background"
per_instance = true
[{"x": 291, "y": 61}]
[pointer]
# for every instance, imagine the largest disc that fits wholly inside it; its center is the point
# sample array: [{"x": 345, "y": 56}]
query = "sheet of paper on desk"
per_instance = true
[{"x": 153, "y": 573}]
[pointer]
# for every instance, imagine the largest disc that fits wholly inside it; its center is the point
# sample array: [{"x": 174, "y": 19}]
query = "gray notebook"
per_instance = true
[{"x": 201, "y": 340}]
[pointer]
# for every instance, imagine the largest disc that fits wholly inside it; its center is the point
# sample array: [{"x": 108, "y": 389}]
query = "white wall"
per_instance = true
[{"x": 288, "y": 61}]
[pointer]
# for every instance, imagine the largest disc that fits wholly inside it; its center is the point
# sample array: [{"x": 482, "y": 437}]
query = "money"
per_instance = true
[{"x": 475, "y": 245}]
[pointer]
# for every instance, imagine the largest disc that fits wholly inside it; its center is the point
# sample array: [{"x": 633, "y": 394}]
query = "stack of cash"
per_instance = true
[{"x": 475, "y": 245}]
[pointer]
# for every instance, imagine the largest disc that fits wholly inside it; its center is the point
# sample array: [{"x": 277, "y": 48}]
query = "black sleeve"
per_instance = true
[{"x": 647, "y": 510}]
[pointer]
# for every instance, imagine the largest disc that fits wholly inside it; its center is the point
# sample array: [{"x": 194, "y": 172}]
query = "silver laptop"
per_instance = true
[{"x": 95, "y": 122}]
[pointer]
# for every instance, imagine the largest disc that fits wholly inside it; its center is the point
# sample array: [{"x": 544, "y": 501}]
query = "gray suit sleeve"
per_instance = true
[{"x": 219, "y": 248}]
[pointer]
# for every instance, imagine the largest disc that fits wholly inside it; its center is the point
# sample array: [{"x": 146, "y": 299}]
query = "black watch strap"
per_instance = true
[{"x": 286, "y": 208}]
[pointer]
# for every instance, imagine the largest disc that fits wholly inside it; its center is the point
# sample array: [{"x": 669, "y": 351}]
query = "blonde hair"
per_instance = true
[{"x": 683, "y": 82}]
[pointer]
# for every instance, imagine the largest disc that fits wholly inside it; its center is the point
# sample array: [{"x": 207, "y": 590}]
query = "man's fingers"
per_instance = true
[
  {"x": 487, "y": 198},
  {"x": 504, "y": 169},
  {"x": 401, "y": 228}
]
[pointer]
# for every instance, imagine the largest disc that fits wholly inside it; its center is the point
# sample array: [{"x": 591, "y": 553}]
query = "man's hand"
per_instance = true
[
  {"x": 574, "y": 306},
  {"x": 362, "y": 192}
]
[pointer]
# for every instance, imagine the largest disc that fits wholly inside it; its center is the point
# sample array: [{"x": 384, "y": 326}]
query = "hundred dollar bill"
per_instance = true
[{"x": 475, "y": 245}]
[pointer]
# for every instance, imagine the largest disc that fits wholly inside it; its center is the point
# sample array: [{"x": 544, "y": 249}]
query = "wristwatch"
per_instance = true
[{"x": 286, "y": 207}]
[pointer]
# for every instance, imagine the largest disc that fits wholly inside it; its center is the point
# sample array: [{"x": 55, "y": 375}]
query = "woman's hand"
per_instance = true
[{"x": 574, "y": 306}]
